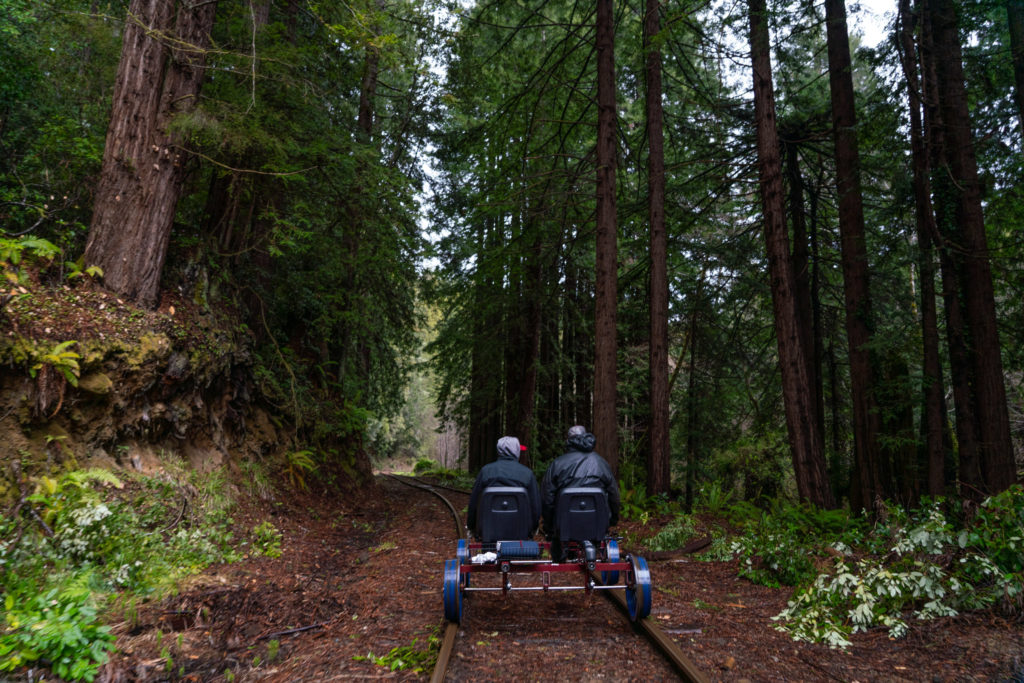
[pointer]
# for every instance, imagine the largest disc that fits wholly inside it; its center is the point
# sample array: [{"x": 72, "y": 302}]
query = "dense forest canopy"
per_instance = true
[{"x": 814, "y": 259}]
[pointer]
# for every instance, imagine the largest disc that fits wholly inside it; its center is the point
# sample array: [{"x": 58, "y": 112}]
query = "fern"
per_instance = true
[
  {"x": 60, "y": 358},
  {"x": 81, "y": 478}
]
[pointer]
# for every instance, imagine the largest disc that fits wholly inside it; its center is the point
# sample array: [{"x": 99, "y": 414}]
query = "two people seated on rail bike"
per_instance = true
[
  {"x": 505, "y": 502},
  {"x": 579, "y": 495}
]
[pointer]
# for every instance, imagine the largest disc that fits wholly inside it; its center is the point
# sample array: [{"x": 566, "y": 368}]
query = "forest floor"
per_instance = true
[{"x": 359, "y": 580}]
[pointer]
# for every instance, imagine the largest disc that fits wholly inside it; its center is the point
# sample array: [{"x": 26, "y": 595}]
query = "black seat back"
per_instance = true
[
  {"x": 503, "y": 514},
  {"x": 582, "y": 514}
]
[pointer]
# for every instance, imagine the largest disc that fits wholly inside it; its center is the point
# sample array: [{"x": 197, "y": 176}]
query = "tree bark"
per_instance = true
[
  {"x": 605, "y": 426},
  {"x": 485, "y": 360},
  {"x": 869, "y": 466},
  {"x": 967, "y": 244},
  {"x": 956, "y": 326},
  {"x": 658, "y": 456},
  {"x": 805, "y": 289},
  {"x": 808, "y": 458},
  {"x": 933, "y": 389},
  {"x": 158, "y": 78},
  {"x": 532, "y": 290},
  {"x": 693, "y": 402}
]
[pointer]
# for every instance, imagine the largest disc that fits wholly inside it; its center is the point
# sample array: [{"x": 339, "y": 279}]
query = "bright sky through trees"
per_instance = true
[{"x": 871, "y": 18}]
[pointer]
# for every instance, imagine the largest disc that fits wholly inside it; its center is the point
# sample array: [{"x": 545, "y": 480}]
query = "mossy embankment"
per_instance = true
[{"x": 87, "y": 379}]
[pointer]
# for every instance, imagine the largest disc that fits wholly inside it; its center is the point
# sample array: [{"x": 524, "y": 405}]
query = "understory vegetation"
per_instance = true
[
  {"x": 85, "y": 547},
  {"x": 849, "y": 574}
]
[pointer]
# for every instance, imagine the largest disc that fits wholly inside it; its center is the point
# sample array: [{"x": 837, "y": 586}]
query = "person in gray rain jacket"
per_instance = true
[
  {"x": 506, "y": 471},
  {"x": 578, "y": 466}
]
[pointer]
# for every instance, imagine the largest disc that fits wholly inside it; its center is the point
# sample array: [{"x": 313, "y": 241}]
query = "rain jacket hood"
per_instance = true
[
  {"x": 508, "y": 448},
  {"x": 583, "y": 443}
]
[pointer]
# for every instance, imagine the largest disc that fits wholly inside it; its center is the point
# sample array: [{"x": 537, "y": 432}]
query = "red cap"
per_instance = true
[{"x": 522, "y": 447}]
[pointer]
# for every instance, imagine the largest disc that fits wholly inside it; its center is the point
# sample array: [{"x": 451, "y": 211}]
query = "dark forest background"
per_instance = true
[{"x": 738, "y": 246}]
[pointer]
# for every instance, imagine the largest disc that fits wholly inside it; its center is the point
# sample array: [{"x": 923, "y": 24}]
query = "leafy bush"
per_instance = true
[
  {"x": 998, "y": 530},
  {"x": 637, "y": 505},
  {"x": 57, "y": 626},
  {"x": 713, "y": 499},
  {"x": 682, "y": 529},
  {"x": 773, "y": 553},
  {"x": 267, "y": 539},
  {"x": 673, "y": 535},
  {"x": 103, "y": 538},
  {"x": 424, "y": 465},
  {"x": 427, "y": 467},
  {"x": 780, "y": 547},
  {"x": 925, "y": 569}
]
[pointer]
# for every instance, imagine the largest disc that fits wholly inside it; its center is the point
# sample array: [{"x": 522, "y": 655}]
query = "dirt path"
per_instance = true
[{"x": 349, "y": 584}]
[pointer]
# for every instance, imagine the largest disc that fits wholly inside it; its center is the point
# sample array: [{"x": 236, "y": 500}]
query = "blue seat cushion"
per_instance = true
[{"x": 518, "y": 549}]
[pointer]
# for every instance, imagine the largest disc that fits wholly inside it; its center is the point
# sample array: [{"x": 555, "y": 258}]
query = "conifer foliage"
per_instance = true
[{"x": 292, "y": 157}]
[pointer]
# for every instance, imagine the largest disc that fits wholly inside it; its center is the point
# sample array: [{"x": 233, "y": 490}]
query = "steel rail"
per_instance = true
[
  {"x": 459, "y": 530},
  {"x": 661, "y": 640},
  {"x": 451, "y": 629}
]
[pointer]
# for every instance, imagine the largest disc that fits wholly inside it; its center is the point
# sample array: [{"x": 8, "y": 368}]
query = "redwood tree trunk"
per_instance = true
[
  {"x": 485, "y": 369},
  {"x": 933, "y": 418},
  {"x": 968, "y": 247},
  {"x": 805, "y": 294},
  {"x": 158, "y": 77},
  {"x": 606, "y": 286},
  {"x": 533, "y": 287},
  {"x": 805, "y": 443},
  {"x": 658, "y": 470},
  {"x": 956, "y": 326},
  {"x": 869, "y": 466}
]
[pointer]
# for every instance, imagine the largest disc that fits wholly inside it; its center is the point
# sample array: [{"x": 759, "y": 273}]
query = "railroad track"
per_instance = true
[{"x": 661, "y": 640}]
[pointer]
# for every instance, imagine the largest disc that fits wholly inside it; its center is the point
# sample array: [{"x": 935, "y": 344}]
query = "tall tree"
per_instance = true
[
  {"x": 658, "y": 456},
  {"x": 159, "y": 77},
  {"x": 933, "y": 398},
  {"x": 803, "y": 271},
  {"x": 805, "y": 441},
  {"x": 871, "y": 471},
  {"x": 966, "y": 245},
  {"x": 606, "y": 298}
]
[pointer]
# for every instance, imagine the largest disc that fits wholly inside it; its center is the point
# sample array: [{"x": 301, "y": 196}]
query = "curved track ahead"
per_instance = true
[{"x": 658, "y": 637}]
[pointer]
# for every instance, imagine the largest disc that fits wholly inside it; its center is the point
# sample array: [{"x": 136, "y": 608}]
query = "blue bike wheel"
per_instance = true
[
  {"x": 452, "y": 593},
  {"x": 610, "y": 578},
  {"x": 638, "y": 593},
  {"x": 462, "y": 554}
]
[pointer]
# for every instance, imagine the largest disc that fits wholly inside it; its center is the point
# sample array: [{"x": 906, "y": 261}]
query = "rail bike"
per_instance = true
[{"x": 503, "y": 548}]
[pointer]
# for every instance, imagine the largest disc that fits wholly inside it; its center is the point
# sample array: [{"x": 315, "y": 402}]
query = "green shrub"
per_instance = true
[
  {"x": 673, "y": 535},
  {"x": 59, "y": 627},
  {"x": 780, "y": 547},
  {"x": 423, "y": 465},
  {"x": 998, "y": 530},
  {"x": 107, "y": 539},
  {"x": 266, "y": 539},
  {"x": 924, "y": 568},
  {"x": 773, "y": 553}
]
